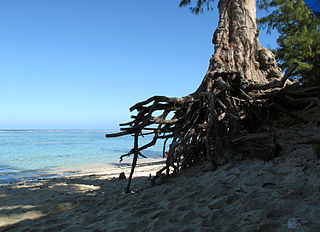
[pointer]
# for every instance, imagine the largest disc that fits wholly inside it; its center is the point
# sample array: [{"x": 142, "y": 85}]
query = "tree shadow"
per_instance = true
[{"x": 51, "y": 203}]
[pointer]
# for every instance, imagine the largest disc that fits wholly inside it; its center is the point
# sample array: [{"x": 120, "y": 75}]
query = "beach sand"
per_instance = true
[{"x": 248, "y": 195}]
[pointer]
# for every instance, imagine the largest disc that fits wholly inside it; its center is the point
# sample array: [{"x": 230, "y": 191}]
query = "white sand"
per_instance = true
[{"x": 281, "y": 195}]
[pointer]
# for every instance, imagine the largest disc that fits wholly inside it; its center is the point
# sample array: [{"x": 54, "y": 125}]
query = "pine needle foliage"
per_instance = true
[{"x": 299, "y": 39}]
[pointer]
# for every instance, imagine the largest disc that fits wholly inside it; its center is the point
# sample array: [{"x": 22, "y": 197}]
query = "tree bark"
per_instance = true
[{"x": 237, "y": 47}]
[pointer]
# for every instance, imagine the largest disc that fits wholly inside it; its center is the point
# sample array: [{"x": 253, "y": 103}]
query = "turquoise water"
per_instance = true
[{"x": 28, "y": 153}]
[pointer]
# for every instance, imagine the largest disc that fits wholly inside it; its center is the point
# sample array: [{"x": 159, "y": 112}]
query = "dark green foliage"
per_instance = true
[{"x": 299, "y": 39}]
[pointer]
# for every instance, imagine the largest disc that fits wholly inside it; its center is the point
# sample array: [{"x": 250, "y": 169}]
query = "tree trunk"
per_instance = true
[{"x": 237, "y": 47}]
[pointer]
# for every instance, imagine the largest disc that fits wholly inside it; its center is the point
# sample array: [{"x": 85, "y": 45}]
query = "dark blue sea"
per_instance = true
[{"x": 26, "y": 154}]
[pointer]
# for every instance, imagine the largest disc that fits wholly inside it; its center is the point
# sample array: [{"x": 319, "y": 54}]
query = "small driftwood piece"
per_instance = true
[{"x": 122, "y": 176}]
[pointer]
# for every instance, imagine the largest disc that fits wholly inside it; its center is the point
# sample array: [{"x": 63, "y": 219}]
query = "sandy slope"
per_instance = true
[{"x": 250, "y": 195}]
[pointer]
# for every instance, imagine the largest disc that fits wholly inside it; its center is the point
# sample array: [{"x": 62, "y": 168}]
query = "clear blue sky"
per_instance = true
[{"x": 72, "y": 64}]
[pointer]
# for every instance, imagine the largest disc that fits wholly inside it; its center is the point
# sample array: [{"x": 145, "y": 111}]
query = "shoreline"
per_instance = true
[
  {"x": 54, "y": 153},
  {"x": 113, "y": 169},
  {"x": 82, "y": 170}
]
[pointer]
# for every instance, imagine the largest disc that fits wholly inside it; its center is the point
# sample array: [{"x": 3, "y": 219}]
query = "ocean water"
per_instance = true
[{"x": 25, "y": 154}]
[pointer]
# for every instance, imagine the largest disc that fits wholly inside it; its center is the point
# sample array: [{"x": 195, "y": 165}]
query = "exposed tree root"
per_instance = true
[
  {"x": 215, "y": 124},
  {"x": 232, "y": 111}
]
